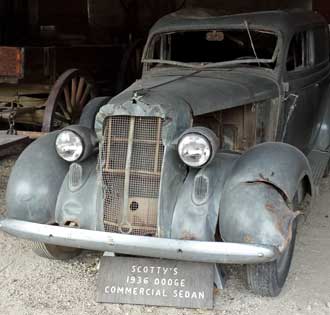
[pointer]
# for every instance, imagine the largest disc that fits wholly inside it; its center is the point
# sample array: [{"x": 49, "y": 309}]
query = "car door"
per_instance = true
[{"x": 306, "y": 77}]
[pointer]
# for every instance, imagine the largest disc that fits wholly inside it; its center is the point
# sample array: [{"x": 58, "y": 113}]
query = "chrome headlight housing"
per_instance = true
[
  {"x": 69, "y": 146},
  {"x": 76, "y": 143},
  {"x": 197, "y": 146}
]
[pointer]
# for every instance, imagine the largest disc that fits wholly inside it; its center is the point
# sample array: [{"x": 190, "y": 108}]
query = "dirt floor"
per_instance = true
[{"x": 30, "y": 285}]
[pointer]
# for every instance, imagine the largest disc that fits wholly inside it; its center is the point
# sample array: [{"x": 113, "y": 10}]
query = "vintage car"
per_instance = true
[{"x": 208, "y": 158}]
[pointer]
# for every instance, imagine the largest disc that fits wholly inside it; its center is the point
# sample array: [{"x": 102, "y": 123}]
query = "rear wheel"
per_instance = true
[{"x": 54, "y": 252}]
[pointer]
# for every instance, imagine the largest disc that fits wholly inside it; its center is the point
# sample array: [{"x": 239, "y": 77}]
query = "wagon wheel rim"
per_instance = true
[{"x": 67, "y": 99}]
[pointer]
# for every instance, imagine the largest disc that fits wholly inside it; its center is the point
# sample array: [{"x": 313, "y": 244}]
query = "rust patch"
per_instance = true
[
  {"x": 188, "y": 236},
  {"x": 248, "y": 239},
  {"x": 263, "y": 178},
  {"x": 216, "y": 292},
  {"x": 11, "y": 64},
  {"x": 270, "y": 207}
]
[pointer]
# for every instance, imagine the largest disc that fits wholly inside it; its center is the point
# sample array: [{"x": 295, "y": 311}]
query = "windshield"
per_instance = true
[{"x": 213, "y": 47}]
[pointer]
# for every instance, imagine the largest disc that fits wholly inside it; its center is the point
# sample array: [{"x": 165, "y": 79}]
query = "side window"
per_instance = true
[
  {"x": 299, "y": 55},
  {"x": 321, "y": 44}
]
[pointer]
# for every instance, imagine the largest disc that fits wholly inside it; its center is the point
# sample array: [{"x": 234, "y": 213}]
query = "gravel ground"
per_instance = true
[{"x": 30, "y": 285}]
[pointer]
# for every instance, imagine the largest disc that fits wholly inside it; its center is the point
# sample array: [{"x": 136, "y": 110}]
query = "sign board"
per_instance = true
[{"x": 130, "y": 280}]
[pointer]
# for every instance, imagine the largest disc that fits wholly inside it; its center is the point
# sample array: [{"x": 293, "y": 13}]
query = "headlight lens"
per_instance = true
[
  {"x": 194, "y": 150},
  {"x": 69, "y": 146}
]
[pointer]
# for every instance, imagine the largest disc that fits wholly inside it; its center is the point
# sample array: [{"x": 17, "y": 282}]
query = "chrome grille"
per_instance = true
[{"x": 131, "y": 158}]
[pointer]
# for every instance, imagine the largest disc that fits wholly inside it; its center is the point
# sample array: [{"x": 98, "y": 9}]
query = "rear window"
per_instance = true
[{"x": 300, "y": 52}]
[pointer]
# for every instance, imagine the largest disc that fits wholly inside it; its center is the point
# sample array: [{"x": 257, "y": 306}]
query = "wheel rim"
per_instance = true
[{"x": 67, "y": 99}]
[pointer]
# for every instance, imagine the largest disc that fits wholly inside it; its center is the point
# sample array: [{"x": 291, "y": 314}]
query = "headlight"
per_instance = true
[
  {"x": 69, "y": 146},
  {"x": 197, "y": 146}
]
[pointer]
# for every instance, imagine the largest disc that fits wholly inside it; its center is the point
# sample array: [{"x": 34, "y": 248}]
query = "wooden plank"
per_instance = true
[
  {"x": 10, "y": 140},
  {"x": 31, "y": 134}
]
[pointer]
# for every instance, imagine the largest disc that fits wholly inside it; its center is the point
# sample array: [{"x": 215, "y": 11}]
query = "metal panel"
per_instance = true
[{"x": 132, "y": 157}]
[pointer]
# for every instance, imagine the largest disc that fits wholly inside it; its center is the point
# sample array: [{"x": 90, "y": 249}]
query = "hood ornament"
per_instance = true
[{"x": 137, "y": 95}]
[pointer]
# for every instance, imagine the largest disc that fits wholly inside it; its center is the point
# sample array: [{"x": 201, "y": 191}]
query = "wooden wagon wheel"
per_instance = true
[{"x": 69, "y": 95}]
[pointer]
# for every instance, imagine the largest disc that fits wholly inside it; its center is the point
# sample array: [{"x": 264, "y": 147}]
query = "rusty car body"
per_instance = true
[{"x": 207, "y": 158}]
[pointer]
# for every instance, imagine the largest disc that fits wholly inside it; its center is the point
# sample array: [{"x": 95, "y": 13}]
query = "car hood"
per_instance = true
[{"x": 204, "y": 91}]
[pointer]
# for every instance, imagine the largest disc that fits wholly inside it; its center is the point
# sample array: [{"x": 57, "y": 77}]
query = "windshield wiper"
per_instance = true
[
  {"x": 251, "y": 41},
  {"x": 172, "y": 63}
]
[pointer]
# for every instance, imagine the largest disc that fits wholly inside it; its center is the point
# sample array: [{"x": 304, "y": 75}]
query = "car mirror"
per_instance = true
[{"x": 215, "y": 36}]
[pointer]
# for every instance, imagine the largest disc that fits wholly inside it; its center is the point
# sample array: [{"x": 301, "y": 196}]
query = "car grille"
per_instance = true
[{"x": 131, "y": 158}]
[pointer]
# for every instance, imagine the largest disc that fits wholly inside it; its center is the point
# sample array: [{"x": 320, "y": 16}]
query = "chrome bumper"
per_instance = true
[{"x": 208, "y": 252}]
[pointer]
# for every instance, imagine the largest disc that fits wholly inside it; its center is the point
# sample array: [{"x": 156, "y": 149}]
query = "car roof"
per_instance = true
[{"x": 285, "y": 21}]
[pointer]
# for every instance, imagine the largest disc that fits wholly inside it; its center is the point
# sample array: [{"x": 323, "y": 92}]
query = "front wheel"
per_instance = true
[
  {"x": 54, "y": 252},
  {"x": 268, "y": 279}
]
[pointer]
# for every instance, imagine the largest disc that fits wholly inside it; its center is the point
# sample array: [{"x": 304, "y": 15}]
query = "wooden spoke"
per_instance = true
[
  {"x": 84, "y": 98},
  {"x": 80, "y": 90},
  {"x": 65, "y": 113},
  {"x": 73, "y": 91},
  {"x": 61, "y": 118},
  {"x": 67, "y": 100}
]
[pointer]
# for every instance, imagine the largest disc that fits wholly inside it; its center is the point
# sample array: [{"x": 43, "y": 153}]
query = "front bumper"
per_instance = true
[{"x": 208, "y": 252}]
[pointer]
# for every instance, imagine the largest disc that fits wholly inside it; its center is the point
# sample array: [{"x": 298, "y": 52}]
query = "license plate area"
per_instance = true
[{"x": 158, "y": 282}]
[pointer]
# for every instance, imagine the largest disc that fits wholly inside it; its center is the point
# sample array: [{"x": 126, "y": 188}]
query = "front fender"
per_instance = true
[
  {"x": 256, "y": 213},
  {"x": 80, "y": 197},
  {"x": 255, "y": 207},
  {"x": 278, "y": 164},
  {"x": 35, "y": 182},
  {"x": 197, "y": 208}
]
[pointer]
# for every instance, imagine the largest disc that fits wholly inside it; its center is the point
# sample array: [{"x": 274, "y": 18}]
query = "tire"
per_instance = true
[
  {"x": 87, "y": 118},
  {"x": 268, "y": 279},
  {"x": 54, "y": 252}
]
